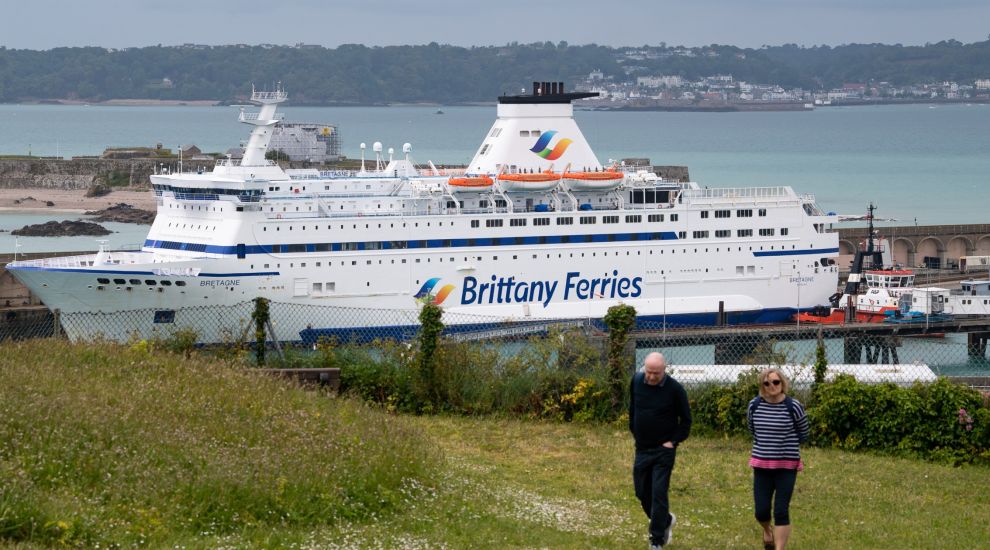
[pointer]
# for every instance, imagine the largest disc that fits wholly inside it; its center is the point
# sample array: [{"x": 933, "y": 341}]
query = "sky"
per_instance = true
[{"x": 46, "y": 24}]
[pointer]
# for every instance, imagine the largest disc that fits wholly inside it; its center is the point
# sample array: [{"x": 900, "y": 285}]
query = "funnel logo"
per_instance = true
[
  {"x": 426, "y": 292},
  {"x": 541, "y": 147}
]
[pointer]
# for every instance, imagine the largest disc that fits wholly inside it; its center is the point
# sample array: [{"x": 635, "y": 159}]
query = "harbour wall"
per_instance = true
[{"x": 83, "y": 173}]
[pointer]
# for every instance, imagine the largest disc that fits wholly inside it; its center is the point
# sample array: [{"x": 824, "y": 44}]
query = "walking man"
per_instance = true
[{"x": 659, "y": 419}]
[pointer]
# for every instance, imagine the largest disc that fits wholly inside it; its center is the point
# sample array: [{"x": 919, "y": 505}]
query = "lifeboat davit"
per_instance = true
[
  {"x": 537, "y": 181},
  {"x": 605, "y": 180},
  {"x": 470, "y": 183}
]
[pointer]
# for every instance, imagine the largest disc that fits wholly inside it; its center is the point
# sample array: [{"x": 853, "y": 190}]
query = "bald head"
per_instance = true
[{"x": 654, "y": 367}]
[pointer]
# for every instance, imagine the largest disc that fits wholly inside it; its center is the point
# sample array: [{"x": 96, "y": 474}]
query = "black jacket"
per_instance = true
[{"x": 658, "y": 414}]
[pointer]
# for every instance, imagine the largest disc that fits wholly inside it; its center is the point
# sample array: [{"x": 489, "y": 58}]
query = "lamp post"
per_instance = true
[
  {"x": 798, "y": 316},
  {"x": 664, "y": 329}
]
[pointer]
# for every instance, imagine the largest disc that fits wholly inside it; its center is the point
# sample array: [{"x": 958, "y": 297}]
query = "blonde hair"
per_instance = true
[{"x": 765, "y": 375}]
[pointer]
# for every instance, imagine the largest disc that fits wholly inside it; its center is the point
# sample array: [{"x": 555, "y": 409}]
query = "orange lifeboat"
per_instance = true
[
  {"x": 593, "y": 181},
  {"x": 536, "y": 181},
  {"x": 470, "y": 183}
]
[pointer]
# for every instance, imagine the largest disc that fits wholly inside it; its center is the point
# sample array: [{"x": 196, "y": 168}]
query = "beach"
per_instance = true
[{"x": 73, "y": 201}]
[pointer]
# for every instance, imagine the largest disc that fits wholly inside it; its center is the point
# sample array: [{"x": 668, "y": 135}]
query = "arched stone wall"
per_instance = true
[
  {"x": 929, "y": 246},
  {"x": 983, "y": 246},
  {"x": 847, "y": 251},
  {"x": 957, "y": 247},
  {"x": 903, "y": 252}
]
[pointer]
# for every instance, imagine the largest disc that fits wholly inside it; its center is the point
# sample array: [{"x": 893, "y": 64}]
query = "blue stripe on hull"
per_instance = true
[{"x": 363, "y": 335}]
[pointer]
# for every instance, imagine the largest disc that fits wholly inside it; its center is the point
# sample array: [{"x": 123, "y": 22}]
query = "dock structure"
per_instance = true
[{"x": 863, "y": 343}]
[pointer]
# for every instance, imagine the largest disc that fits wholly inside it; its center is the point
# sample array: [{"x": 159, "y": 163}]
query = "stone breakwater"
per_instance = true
[{"x": 81, "y": 174}]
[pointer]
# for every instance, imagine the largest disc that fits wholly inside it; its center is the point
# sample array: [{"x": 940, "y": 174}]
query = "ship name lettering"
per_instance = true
[
  {"x": 509, "y": 290},
  {"x": 221, "y": 282}
]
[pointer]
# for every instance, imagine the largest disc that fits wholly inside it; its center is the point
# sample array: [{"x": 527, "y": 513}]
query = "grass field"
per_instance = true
[
  {"x": 529, "y": 485},
  {"x": 107, "y": 445}
]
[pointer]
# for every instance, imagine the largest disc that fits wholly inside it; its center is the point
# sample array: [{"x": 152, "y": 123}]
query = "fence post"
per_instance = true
[
  {"x": 56, "y": 323},
  {"x": 260, "y": 316}
]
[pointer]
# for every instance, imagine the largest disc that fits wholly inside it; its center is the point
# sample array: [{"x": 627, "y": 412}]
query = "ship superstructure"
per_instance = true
[{"x": 526, "y": 238}]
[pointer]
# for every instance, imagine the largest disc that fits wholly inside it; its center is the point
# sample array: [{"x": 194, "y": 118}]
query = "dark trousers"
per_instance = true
[
  {"x": 766, "y": 483},
  {"x": 651, "y": 478}
]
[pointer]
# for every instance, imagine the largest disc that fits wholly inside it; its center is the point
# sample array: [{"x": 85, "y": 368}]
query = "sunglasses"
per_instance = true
[{"x": 774, "y": 382}]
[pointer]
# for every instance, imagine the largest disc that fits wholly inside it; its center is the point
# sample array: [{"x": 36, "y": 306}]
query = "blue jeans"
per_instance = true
[
  {"x": 651, "y": 478},
  {"x": 766, "y": 482}
]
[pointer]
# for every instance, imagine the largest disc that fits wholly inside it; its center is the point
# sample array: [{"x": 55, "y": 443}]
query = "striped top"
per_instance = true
[{"x": 776, "y": 434}]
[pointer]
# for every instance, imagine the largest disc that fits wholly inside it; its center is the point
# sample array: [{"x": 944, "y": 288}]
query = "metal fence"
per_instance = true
[{"x": 695, "y": 354}]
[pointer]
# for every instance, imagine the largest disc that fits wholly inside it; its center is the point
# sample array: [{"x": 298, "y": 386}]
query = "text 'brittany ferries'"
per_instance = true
[{"x": 507, "y": 290}]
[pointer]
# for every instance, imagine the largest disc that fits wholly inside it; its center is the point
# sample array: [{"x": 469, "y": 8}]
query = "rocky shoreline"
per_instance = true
[
  {"x": 68, "y": 228},
  {"x": 123, "y": 213}
]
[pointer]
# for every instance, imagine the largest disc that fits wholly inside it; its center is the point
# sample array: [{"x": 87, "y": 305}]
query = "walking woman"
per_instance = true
[{"x": 778, "y": 424}]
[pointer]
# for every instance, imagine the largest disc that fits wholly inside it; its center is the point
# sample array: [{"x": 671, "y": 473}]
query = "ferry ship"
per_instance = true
[{"x": 536, "y": 229}]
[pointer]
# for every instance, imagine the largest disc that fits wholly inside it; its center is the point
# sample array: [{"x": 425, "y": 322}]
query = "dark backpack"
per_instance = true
[{"x": 791, "y": 409}]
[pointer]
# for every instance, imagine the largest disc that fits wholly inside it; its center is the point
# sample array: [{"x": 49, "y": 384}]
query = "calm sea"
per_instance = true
[{"x": 920, "y": 164}]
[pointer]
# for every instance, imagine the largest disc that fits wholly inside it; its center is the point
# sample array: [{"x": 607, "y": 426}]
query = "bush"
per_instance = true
[
  {"x": 922, "y": 420},
  {"x": 722, "y": 409}
]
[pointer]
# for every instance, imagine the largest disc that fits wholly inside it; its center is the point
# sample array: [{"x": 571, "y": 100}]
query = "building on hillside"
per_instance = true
[{"x": 306, "y": 141}]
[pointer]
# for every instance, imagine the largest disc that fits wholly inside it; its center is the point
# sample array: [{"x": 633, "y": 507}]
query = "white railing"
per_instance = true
[
  {"x": 279, "y": 95},
  {"x": 86, "y": 260},
  {"x": 237, "y": 162},
  {"x": 739, "y": 193}
]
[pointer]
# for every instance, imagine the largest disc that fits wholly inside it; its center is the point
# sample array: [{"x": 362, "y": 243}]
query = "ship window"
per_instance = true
[
  {"x": 484, "y": 149},
  {"x": 493, "y": 223},
  {"x": 517, "y": 222},
  {"x": 673, "y": 217},
  {"x": 748, "y": 213},
  {"x": 103, "y": 281},
  {"x": 723, "y": 233},
  {"x": 655, "y": 218},
  {"x": 565, "y": 220},
  {"x": 523, "y": 133},
  {"x": 118, "y": 281},
  {"x": 744, "y": 233},
  {"x": 610, "y": 219},
  {"x": 150, "y": 282},
  {"x": 180, "y": 283},
  {"x": 586, "y": 220},
  {"x": 767, "y": 232},
  {"x": 723, "y": 213},
  {"x": 681, "y": 234},
  {"x": 704, "y": 213},
  {"x": 166, "y": 283},
  {"x": 541, "y": 221},
  {"x": 634, "y": 219},
  {"x": 134, "y": 281},
  {"x": 763, "y": 211},
  {"x": 783, "y": 231}
]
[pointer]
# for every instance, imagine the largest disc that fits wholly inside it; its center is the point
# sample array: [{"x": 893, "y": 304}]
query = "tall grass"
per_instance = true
[{"x": 114, "y": 445}]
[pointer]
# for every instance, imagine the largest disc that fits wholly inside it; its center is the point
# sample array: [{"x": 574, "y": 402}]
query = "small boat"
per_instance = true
[
  {"x": 439, "y": 111},
  {"x": 593, "y": 181},
  {"x": 470, "y": 183},
  {"x": 529, "y": 182}
]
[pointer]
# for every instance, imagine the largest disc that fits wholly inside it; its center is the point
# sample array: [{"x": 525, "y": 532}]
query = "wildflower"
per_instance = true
[{"x": 965, "y": 420}]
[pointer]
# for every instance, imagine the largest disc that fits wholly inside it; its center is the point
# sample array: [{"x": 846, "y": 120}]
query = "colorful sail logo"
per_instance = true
[
  {"x": 425, "y": 292},
  {"x": 541, "y": 147}
]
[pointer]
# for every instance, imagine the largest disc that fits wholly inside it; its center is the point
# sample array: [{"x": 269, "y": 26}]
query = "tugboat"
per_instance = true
[{"x": 887, "y": 290}]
